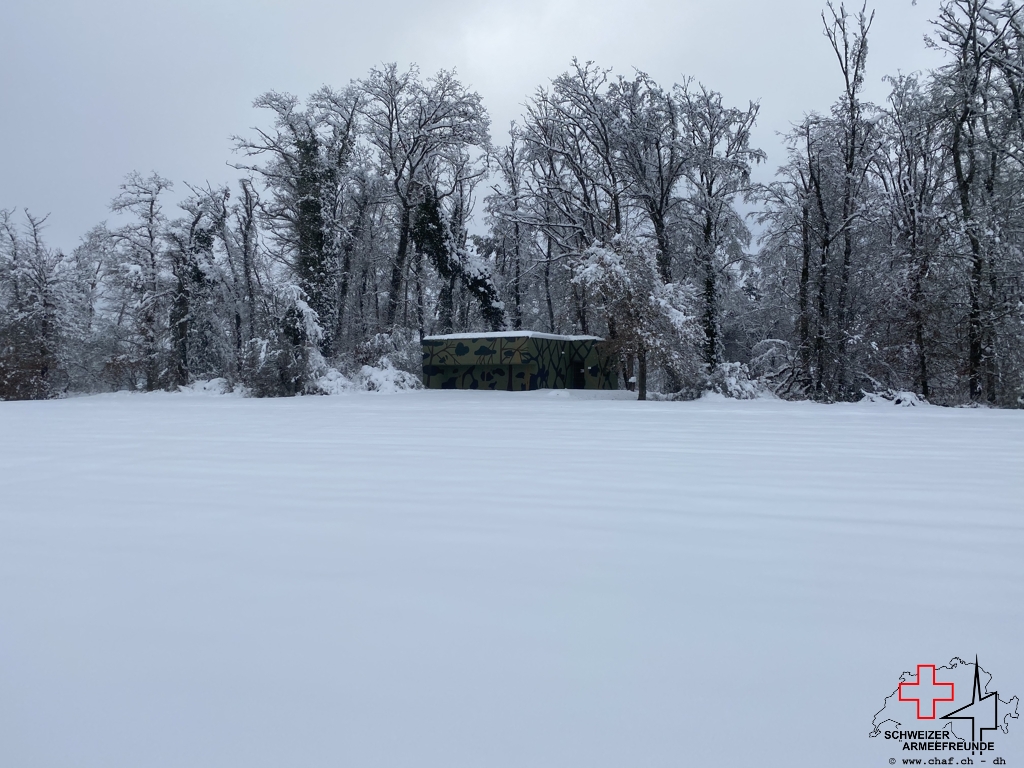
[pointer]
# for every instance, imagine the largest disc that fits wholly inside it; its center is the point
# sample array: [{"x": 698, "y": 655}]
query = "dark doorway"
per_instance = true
[{"x": 579, "y": 375}]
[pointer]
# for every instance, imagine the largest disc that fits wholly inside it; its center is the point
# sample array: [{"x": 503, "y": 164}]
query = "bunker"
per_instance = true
[{"x": 516, "y": 361}]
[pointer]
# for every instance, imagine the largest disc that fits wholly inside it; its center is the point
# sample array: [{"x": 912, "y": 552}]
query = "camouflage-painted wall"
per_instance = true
[{"x": 516, "y": 363}]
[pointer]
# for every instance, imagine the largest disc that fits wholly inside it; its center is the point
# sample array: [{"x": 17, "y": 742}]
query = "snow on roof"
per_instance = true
[{"x": 510, "y": 335}]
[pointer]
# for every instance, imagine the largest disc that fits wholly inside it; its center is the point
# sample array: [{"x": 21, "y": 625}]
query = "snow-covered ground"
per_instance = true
[{"x": 466, "y": 579}]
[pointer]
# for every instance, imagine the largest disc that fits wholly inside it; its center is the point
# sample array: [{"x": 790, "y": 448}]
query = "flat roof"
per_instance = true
[{"x": 510, "y": 335}]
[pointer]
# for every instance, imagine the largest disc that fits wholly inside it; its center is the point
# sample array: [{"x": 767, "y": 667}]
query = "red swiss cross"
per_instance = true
[{"x": 926, "y": 691}]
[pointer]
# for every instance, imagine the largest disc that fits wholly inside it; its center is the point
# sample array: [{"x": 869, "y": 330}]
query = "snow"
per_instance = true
[
  {"x": 208, "y": 387},
  {"x": 492, "y": 579},
  {"x": 510, "y": 335}
]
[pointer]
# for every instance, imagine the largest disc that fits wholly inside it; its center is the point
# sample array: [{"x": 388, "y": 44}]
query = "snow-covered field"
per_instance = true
[{"x": 466, "y": 579}]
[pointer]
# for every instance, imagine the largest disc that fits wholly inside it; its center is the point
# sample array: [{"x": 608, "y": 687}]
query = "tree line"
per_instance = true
[{"x": 889, "y": 255}]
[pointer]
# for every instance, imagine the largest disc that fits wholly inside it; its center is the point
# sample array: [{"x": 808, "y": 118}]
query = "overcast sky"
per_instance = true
[{"x": 92, "y": 89}]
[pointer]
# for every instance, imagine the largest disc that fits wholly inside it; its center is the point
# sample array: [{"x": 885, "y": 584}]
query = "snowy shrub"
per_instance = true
[
  {"x": 400, "y": 349},
  {"x": 733, "y": 380},
  {"x": 386, "y": 378},
  {"x": 896, "y": 397},
  {"x": 278, "y": 366},
  {"x": 776, "y": 365},
  {"x": 286, "y": 359},
  {"x": 218, "y": 386},
  {"x": 333, "y": 382}
]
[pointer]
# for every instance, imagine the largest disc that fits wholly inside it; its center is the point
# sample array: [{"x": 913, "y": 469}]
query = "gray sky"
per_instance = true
[{"x": 92, "y": 89}]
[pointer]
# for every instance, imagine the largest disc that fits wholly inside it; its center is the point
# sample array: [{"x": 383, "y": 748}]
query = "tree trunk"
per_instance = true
[
  {"x": 179, "y": 333},
  {"x": 446, "y": 306},
  {"x": 398, "y": 270},
  {"x": 517, "y": 289},
  {"x": 712, "y": 354},
  {"x": 819, "y": 379},
  {"x": 964, "y": 182},
  {"x": 346, "y": 268},
  {"x": 841, "y": 312},
  {"x": 917, "y": 301},
  {"x": 641, "y": 376},
  {"x": 547, "y": 289},
  {"x": 419, "y": 291},
  {"x": 664, "y": 256},
  {"x": 805, "y": 277}
]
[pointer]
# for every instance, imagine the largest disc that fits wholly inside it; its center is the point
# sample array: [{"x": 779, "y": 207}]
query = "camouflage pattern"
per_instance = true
[{"x": 517, "y": 363}]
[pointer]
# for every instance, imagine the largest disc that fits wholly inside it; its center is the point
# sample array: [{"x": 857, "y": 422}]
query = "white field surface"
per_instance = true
[{"x": 477, "y": 580}]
